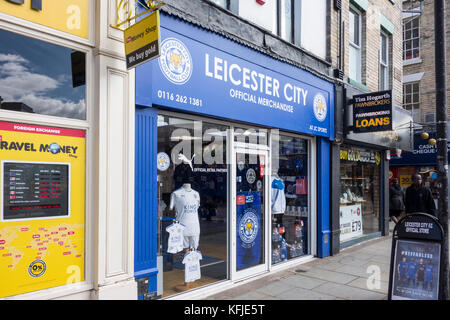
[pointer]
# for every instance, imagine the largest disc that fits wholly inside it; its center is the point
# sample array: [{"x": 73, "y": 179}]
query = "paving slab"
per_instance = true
[
  {"x": 362, "y": 284},
  {"x": 304, "y": 294},
  {"x": 329, "y": 275},
  {"x": 348, "y": 292},
  {"x": 275, "y": 288},
  {"x": 303, "y": 282}
]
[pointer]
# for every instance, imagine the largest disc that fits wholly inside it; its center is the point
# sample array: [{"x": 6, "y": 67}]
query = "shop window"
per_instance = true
[
  {"x": 411, "y": 99},
  {"x": 411, "y": 38},
  {"x": 360, "y": 193},
  {"x": 40, "y": 77},
  {"x": 192, "y": 193},
  {"x": 355, "y": 48},
  {"x": 290, "y": 194}
]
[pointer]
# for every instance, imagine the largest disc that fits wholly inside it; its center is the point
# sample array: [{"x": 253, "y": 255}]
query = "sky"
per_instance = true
[{"x": 39, "y": 75}]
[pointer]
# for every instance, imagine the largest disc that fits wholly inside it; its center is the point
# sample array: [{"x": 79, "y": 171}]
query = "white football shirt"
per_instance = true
[
  {"x": 175, "y": 242},
  {"x": 191, "y": 263},
  {"x": 186, "y": 204},
  {"x": 278, "y": 196}
]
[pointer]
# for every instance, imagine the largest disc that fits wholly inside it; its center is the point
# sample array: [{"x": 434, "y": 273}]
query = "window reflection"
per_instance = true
[{"x": 43, "y": 78}]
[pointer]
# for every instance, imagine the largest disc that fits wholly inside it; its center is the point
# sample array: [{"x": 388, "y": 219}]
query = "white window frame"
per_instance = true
[
  {"x": 413, "y": 105},
  {"x": 411, "y": 39},
  {"x": 357, "y": 47},
  {"x": 385, "y": 84}
]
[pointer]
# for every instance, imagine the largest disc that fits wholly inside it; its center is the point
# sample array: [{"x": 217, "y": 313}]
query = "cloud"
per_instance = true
[
  {"x": 19, "y": 84},
  {"x": 56, "y": 107},
  {"x": 12, "y": 58}
]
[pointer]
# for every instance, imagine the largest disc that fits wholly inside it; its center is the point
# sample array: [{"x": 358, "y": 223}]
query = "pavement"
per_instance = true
[{"x": 359, "y": 272}]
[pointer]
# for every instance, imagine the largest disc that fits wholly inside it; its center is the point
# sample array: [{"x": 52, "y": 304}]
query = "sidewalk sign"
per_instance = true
[{"x": 416, "y": 254}]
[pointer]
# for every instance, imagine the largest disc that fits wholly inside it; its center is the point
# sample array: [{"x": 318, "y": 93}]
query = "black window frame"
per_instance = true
[{"x": 295, "y": 21}]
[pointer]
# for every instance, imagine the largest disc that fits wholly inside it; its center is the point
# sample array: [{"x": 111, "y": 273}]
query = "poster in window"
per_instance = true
[
  {"x": 248, "y": 211},
  {"x": 42, "y": 207}
]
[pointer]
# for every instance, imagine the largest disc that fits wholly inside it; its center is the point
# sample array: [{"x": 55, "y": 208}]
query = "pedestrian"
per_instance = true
[
  {"x": 396, "y": 201},
  {"x": 419, "y": 198}
]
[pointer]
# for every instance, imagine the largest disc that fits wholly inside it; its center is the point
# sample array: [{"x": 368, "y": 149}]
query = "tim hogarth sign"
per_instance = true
[
  {"x": 372, "y": 112},
  {"x": 142, "y": 40}
]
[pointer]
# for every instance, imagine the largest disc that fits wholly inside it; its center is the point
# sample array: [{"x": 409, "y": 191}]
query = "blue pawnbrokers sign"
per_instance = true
[{"x": 197, "y": 77}]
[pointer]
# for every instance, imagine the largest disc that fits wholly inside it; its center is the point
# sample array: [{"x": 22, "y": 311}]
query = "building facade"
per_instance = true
[
  {"x": 67, "y": 152},
  {"x": 419, "y": 94},
  {"x": 238, "y": 112},
  {"x": 224, "y": 142},
  {"x": 365, "y": 51}
]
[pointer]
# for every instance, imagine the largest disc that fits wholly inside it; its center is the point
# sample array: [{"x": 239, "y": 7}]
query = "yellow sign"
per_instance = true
[
  {"x": 142, "y": 40},
  {"x": 71, "y": 16},
  {"x": 42, "y": 207},
  {"x": 405, "y": 180}
]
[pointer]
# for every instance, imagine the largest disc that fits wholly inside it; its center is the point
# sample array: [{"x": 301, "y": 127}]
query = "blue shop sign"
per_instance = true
[{"x": 235, "y": 83}]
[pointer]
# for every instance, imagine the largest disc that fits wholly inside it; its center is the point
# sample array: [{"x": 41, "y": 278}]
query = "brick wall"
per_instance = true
[
  {"x": 371, "y": 28},
  {"x": 427, "y": 83}
]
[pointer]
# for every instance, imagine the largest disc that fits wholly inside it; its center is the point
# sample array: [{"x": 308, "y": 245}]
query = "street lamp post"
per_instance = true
[{"x": 441, "y": 131}]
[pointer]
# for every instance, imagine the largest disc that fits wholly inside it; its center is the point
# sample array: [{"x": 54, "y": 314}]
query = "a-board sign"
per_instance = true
[
  {"x": 372, "y": 112},
  {"x": 142, "y": 40},
  {"x": 416, "y": 254}
]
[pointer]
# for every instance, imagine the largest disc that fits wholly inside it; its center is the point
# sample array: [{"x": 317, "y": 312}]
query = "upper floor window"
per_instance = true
[
  {"x": 222, "y": 3},
  {"x": 289, "y": 26},
  {"x": 411, "y": 37},
  {"x": 355, "y": 49},
  {"x": 40, "y": 77},
  {"x": 411, "y": 99},
  {"x": 384, "y": 62}
]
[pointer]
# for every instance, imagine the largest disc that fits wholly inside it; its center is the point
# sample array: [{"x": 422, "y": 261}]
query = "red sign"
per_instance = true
[
  {"x": 240, "y": 200},
  {"x": 261, "y": 2}
]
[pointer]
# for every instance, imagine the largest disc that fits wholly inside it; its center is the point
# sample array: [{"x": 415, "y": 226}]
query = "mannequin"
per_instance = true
[{"x": 186, "y": 202}]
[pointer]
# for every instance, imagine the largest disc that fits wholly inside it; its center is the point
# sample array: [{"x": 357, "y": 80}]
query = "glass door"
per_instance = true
[{"x": 249, "y": 225}]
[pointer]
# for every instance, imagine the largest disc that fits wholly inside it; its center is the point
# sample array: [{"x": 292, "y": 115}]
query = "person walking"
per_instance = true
[
  {"x": 396, "y": 201},
  {"x": 419, "y": 198}
]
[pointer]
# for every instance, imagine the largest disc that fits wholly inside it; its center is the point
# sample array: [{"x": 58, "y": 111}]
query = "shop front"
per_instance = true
[
  {"x": 370, "y": 128},
  {"x": 45, "y": 134},
  {"x": 231, "y": 148}
]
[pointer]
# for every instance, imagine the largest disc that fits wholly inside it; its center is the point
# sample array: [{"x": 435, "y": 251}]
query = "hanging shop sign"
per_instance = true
[
  {"x": 416, "y": 253},
  {"x": 235, "y": 84},
  {"x": 142, "y": 40},
  {"x": 372, "y": 112},
  {"x": 42, "y": 207},
  {"x": 63, "y": 15},
  {"x": 249, "y": 234},
  {"x": 360, "y": 156}
]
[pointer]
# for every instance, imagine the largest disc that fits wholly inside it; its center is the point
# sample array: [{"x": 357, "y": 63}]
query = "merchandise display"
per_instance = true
[
  {"x": 360, "y": 195},
  {"x": 175, "y": 242},
  {"x": 192, "y": 186},
  {"x": 191, "y": 263},
  {"x": 278, "y": 196},
  {"x": 289, "y": 199},
  {"x": 186, "y": 202}
]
